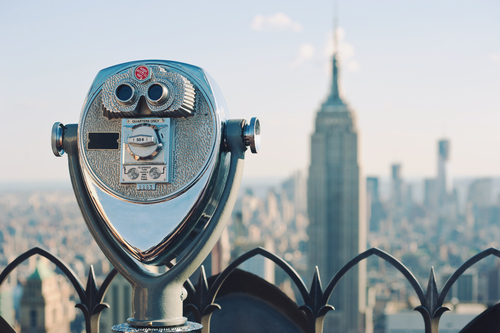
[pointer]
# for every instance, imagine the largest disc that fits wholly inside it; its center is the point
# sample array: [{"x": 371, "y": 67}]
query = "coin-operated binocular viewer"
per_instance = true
[{"x": 156, "y": 168}]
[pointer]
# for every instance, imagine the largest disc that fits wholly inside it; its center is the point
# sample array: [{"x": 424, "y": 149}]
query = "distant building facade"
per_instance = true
[
  {"x": 480, "y": 192},
  {"x": 296, "y": 190},
  {"x": 7, "y": 310},
  {"x": 397, "y": 185},
  {"x": 45, "y": 304},
  {"x": 258, "y": 265},
  {"x": 430, "y": 194},
  {"x": 410, "y": 321},
  {"x": 444, "y": 182},
  {"x": 119, "y": 298},
  {"x": 337, "y": 229},
  {"x": 375, "y": 212},
  {"x": 465, "y": 289}
]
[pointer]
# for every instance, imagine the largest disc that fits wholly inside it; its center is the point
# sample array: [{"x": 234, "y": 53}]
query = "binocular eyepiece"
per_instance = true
[{"x": 148, "y": 91}]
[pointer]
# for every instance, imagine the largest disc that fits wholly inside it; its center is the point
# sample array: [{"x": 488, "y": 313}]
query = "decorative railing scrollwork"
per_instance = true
[
  {"x": 91, "y": 297},
  {"x": 203, "y": 298}
]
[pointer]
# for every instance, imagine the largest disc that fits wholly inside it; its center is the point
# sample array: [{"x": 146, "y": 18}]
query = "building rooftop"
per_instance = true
[{"x": 41, "y": 272}]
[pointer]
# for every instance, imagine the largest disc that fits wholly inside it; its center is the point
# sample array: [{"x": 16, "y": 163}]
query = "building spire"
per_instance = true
[
  {"x": 334, "y": 97},
  {"x": 335, "y": 26}
]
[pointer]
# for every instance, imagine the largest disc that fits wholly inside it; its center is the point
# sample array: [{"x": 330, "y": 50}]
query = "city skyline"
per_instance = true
[
  {"x": 415, "y": 75},
  {"x": 406, "y": 230},
  {"x": 418, "y": 115}
]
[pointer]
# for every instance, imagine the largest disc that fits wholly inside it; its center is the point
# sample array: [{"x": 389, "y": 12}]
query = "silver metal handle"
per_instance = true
[
  {"x": 57, "y": 139},
  {"x": 251, "y": 135}
]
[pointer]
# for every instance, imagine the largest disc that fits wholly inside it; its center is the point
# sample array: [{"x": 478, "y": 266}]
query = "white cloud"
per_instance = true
[
  {"x": 276, "y": 22},
  {"x": 345, "y": 51},
  {"x": 495, "y": 57},
  {"x": 329, "y": 49},
  {"x": 306, "y": 52},
  {"x": 352, "y": 66},
  {"x": 33, "y": 104}
]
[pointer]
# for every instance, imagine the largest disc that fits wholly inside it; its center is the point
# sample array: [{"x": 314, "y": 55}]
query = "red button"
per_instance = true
[{"x": 141, "y": 73}]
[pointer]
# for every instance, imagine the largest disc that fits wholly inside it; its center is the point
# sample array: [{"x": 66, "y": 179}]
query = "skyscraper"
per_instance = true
[
  {"x": 438, "y": 192},
  {"x": 480, "y": 192},
  {"x": 45, "y": 304},
  {"x": 372, "y": 189},
  {"x": 375, "y": 211},
  {"x": 397, "y": 186},
  {"x": 444, "y": 184},
  {"x": 119, "y": 298},
  {"x": 337, "y": 229}
]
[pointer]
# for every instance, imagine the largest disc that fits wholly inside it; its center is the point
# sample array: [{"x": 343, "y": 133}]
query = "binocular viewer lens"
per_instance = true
[
  {"x": 125, "y": 94},
  {"x": 157, "y": 93},
  {"x": 148, "y": 91}
]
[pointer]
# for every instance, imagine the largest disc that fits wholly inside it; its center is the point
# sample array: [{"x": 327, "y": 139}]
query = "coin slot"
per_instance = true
[{"x": 101, "y": 140}]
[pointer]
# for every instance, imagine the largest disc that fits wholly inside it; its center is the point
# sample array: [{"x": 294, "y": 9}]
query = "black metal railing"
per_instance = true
[{"x": 201, "y": 302}]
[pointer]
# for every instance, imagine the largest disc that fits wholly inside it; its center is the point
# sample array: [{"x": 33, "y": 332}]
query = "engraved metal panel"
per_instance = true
[
  {"x": 146, "y": 150},
  {"x": 193, "y": 139}
]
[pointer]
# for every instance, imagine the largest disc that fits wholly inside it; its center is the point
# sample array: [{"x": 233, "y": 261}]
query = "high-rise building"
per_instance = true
[
  {"x": 430, "y": 194},
  {"x": 465, "y": 289},
  {"x": 45, "y": 304},
  {"x": 397, "y": 185},
  {"x": 493, "y": 294},
  {"x": 337, "y": 229},
  {"x": 119, "y": 298},
  {"x": 480, "y": 192},
  {"x": 258, "y": 265},
  {"x": 219, "y": 257},
  {"x": 444, "y": 183},
  {"x": 372, "y": 189},
  {"x": 7, "y": 292},
  {"x": 375, "y": 211},
  {"x": 296, "y": 190}
]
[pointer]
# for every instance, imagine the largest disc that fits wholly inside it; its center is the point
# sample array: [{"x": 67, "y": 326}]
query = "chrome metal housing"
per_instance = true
[
  {"x": 177, "y": 100},
  {"x": 155, "y": 226}
]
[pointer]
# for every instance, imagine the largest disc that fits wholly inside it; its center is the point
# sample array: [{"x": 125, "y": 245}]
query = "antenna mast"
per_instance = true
[{"x": 335, "y": 25}]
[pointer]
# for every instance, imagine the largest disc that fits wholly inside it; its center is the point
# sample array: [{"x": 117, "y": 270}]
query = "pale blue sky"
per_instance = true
[{"x": 414, "y": 71}]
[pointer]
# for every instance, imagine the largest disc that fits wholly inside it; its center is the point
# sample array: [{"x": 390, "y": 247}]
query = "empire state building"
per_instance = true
[{"x": 337, "y": 231}]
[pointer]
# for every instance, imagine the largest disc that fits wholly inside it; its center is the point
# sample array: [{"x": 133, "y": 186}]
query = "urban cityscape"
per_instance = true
[
  {"x": 321, "y": 218},
  {"x": 318, "y": 217}
]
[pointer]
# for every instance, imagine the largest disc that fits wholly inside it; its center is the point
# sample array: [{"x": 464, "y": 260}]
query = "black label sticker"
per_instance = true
[{"x": 103, "y": 140}]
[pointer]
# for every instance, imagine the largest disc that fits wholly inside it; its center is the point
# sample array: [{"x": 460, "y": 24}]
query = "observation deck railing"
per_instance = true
[{"x": 201, "y": 302}]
